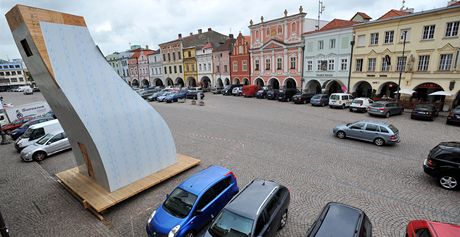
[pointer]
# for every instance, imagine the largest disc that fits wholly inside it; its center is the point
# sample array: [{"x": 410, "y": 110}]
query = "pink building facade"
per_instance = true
[{"x": 276, "y": 50}]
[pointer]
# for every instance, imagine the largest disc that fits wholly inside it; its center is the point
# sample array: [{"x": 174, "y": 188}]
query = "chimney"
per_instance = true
[
  {"x": 179, "y": 36},
  {"x": 200, "y": 31},
  {"x": 231, "y": 36},
  {"x": 409, "y": 10},
  {"x": 209, "y": 29},
  {"x": 191, "y": 33}
]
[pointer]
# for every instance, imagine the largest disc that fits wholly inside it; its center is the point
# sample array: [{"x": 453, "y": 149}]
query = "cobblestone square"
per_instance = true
[{"x": 291, "y": 144}]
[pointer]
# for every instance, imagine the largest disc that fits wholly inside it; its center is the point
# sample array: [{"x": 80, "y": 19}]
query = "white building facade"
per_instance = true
[
  {"x": 155, "y": 69},
  {"x": 12, "y": 74},
  {"x": 204, "y": 62}
]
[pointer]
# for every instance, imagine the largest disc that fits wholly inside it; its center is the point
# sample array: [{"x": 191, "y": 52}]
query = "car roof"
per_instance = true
[
  {"x": 340, "y": 94},
  {"x": 384, "y": 102},
  {"x": 378, "y": 122},
  {"x": 39, "y": 125},
  {"x": 248, "y": 202},
  {"x": 340, "y": 220},
  {"x": 198, "y": 182},
  {"x": 444, "y": 229}
]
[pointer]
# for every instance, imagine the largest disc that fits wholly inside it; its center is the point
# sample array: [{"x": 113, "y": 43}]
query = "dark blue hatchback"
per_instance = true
[{"x": 193, "y": 204}]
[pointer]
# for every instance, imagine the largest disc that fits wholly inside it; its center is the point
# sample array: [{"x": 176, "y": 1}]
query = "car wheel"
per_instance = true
[
  {"x": 387, "y": 114},
  {"x": 449, "y": 182},
  {"x": 330, "y": 106},
  {"x": 39, "y": 156},
  {"x": 283, "y": 220},
  {"x": 379, "y": 141},
  {"x": 351, "y": 110},
  {"x": 343, "y": 106},
  {"x": 341, "y": 134},
  {"x": 189, "y": 234},
  {"x": 323, "y": 104}
]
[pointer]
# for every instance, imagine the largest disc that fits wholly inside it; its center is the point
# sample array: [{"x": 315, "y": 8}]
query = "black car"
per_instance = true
[
  {"x": 340, "y": 220},
  {"x": 454, "y": 116},
  {"x": 260, "y": 209},
  {"x": 302, "y": 98},
  {"x": 228, "y": 89},
  {"x": 272, "y": 94},
  {"x": 443, "y": 163},
  {"x": 424, "y": 111},
  {"x": 193, "y": 93},
  {"x": 287, "y": 94},
  {"x": 262, "y": 93}
]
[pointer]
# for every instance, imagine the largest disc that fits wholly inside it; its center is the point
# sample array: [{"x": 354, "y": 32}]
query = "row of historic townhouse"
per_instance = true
[{"x": 360, "y": 56}]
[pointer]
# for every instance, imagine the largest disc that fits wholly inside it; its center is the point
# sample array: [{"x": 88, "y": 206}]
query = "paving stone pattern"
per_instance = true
[{"x": 291, "y": 144}]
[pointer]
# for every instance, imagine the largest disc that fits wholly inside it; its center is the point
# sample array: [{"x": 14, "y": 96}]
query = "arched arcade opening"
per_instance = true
[
  {"x": 191, "y": 82},
  {"x": 205, "y": 82},
  {"x": 362, "y": 89},
  {"x": 313, "y": 86},
  {"x": 259, "y": 82},
  {"x": 158, "y": 82},
  {"x": 246, "y": 81},
  {"x": 290, "y": 83},
  {"x": 179, "y": 82},
  {"x": 333, "y": 86},
  {"x": 274, "y": 83}
]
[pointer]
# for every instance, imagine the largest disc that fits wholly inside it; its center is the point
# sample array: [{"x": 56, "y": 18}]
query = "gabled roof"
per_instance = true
[
  {"x": 393, "y": 13},
  {"x": 363, "y": 15},
  {"x": 336, "y": 24},
  {"x": 226, "y": 46},
  {"x": 207, "y": 46},
  {"x": 203, "y": 38},
  {"x": 247, "y": 39}
]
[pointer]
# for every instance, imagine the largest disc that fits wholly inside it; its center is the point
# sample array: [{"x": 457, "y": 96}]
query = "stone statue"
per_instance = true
[
  {"x": 262, "y": 19},
  {"x": 251, "y": 22},
  {"x": 301, "y": 9},
  {"x": 285, "y": 12}
]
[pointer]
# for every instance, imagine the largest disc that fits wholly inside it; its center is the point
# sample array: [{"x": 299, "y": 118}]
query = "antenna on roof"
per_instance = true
[
  {"x": 321, "y": 8},
  {"x": 403, "y": 4}
]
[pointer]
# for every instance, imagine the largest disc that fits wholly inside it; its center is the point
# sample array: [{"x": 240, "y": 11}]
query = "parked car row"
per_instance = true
[
  {"x": 170, "y": 95},
  {"x": 210, "y": 202},
  {"x": 39, "y": 138}
]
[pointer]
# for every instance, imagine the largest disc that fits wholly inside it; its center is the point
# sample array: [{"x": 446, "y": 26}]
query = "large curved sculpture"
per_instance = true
[{"x": 117, "y": 137}]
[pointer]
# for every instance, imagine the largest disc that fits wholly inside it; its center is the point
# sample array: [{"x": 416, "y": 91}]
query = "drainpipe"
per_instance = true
[
  {"x": 352, "y": 44},
  {"x": 400, "y": 68},
  {"x": 303, "y": 67}
]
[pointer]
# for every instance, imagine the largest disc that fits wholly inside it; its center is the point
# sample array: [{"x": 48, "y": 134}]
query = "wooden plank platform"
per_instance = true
[{"x": 97, "y": 199}]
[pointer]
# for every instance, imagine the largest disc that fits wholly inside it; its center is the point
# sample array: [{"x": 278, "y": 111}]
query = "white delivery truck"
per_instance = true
[{"x": 10, "y": 113}]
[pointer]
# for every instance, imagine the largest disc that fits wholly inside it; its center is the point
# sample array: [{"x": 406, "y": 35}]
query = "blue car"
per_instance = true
[
  {"x": 193, "y": 204},
  {"x": 176, "y": 96}
]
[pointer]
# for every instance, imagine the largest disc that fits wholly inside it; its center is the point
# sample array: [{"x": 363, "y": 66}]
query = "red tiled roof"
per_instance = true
[
  {"x": 393, "y": 13},
  {"x": 336, "y": 24},
  {"x": 363, "y": 15},
  {"x": 455, "y": 4}
]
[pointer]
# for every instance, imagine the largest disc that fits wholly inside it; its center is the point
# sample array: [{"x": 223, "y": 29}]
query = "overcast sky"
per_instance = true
[{"x": 114, "y": 24}]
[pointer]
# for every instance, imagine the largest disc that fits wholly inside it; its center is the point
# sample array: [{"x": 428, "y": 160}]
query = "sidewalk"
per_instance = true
[{"x": 34, "y": 204}]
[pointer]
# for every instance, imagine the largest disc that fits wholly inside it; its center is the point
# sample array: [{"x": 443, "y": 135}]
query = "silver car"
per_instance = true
[
  {"x": 380, "y": 133},
  {"x": 48, "y": 145}
]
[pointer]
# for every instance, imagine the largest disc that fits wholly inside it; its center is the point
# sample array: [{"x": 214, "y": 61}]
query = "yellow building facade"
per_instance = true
[
  {"x": 190, "y": 66},
  {"x": 431, "y": 56}
]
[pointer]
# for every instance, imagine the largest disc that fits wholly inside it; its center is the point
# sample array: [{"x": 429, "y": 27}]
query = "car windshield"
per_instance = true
[
  {"x": 44, "y": 139},
  {"x": 231, "y": 224},
  {"x": 335, "y": 97},
  {"x": 179, "y": 203},
  {"x": 393, "y": 128},
  {"x": 316, "y": 97},
  {"x": 27, "y": 133},
  {"x": 378, "y": 105},
  {"x": 424, "y": 106}
]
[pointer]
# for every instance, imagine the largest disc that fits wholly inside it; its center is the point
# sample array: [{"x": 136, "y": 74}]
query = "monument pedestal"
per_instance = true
[{"x": 97, "y": 199}]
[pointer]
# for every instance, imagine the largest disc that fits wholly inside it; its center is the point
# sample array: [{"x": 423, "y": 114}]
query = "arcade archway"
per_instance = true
[
  {"x": 274, "y": 83},
  {"x": 205, "y": 82},
  {"x": 313, "y": 86},
  {"x": 259, "y": 82},
  {"x": 169, "y": 82},
  {"x": 333, "y": 86},
  {"x": 245, "y": 81},
  {"x": 179, "y": 82},
  {"x": 290, "y": 83},
  {"x": 158, "y": 82},
  {"x": 191, "y": 82},
  {"x": 388, "y": 89},
  {"x": 363, "y": 89},
  {"x": 135, "y": 83}
]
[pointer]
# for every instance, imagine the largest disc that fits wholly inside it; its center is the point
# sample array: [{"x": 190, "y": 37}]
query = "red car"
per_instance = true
[
  {"x": 15, "y": 124},
  {"x": 250, "y": 90},
  {"x": 418, "y": 228}
]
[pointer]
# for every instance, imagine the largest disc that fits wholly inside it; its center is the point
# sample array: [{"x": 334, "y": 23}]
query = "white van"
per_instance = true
[
  {"x": 340, "y": 100},
  {"x": 35, "y": 132}
]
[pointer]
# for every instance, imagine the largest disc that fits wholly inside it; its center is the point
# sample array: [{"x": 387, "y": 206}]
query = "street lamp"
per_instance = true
[
  {"x": 403, "y": 64},
  {"x": 352, "y": 44}
]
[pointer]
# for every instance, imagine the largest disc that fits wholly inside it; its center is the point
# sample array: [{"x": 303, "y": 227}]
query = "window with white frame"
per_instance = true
[
  {"x": 332, "y": 43},
  {"x": 428, "y": 32},
  {"x": 445, "y": 62},
  {"x": 385, "y": 65},
  {"x": 389, "y": 36},
  {"x": 204, "y": 66},
  {"x": 240, "y": 49},
  {"x": 279, "y": 63},
  {"x": 371, "y": 64},
  {"x": 344, "y": 64},
  {"x": 309, "y": 65},
  {"x": 361, "y": 41},
  {"x": 423, "y": 62},
  {"x": 452, "y": 28},
  {"x": 404, "y": 33},
  {"x": 245, "y": 65},
  {"x": 359, "y": 65},
  {"x": 330, "y": 65},
  {"x": 293, "y": 62},
  {"x": 320, "y": 44},
  {"x": 322, "y": 65},
  {"x": 256, "y": 65},
  {"x": 235, "y": 66},
  {"x": 267, "y": 64},
  {"x": 199, "y": 66},
  {"x": 374, "y": 38}
]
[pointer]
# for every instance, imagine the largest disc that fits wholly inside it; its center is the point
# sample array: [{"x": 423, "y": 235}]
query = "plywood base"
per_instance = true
[{"x": 97, "y": 199}]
